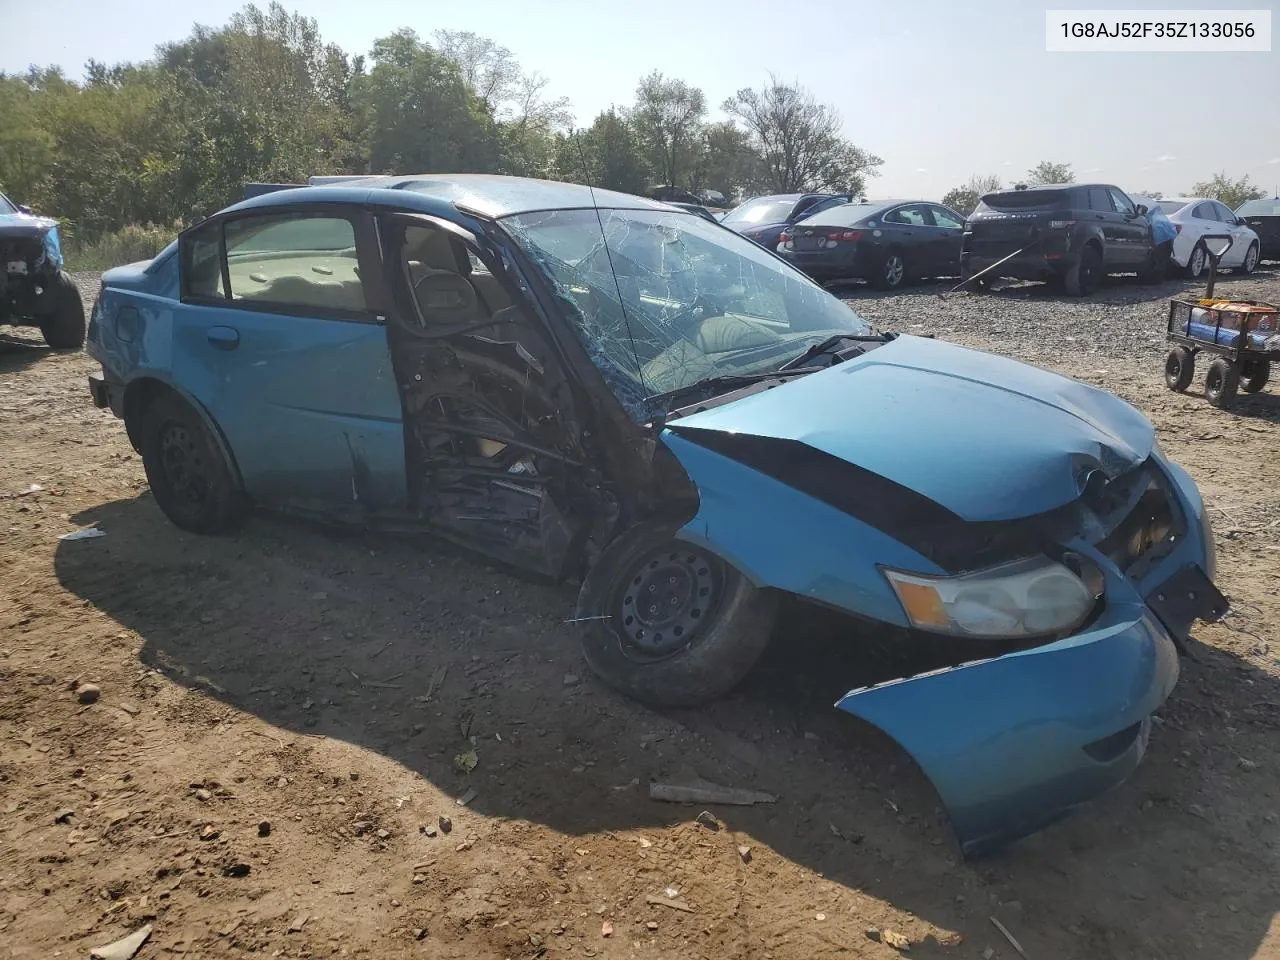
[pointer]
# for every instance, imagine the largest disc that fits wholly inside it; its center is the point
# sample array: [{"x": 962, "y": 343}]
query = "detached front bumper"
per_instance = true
[{"x": 1015, "y": 743}]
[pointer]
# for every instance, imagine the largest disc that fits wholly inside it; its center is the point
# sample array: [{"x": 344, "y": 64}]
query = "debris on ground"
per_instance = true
[
  {"x": 606, "y": 929},
  {"x": 680, "y": 905},
  {"x": 466, "y": 762},
  {"x": 445, "y": 824},
  {"x": 88, "y": 693},
  {"x": 122, "y": 949},
  {"x": 708, "y": 793},
  {"x": 467, "y": 797},
  {"x": 708, "y": 820},
  {"x": 896, "y": 940},
  {"x": 745, "y": 853},
  {"x": 1009, "y": 936},
  {"x": 88, "y": 533}
]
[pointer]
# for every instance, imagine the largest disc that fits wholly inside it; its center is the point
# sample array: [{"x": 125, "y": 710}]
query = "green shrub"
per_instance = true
[{"x": 132, "y": 242}]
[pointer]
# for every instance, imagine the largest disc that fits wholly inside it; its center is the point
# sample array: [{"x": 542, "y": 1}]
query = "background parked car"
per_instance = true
[
  {"x": 1073, "y": 234},
  {"x": 1263, "y": 218},
  {"x": 1197, "y": 217},
  {"x": 34, "y": 289},
  {"x": 762, "y": 219},
  {"x": 887, "y": 243}
]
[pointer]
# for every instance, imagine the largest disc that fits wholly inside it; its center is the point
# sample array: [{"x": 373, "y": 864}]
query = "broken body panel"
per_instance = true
[
  {"x": 30, "y": 260},
  {"x": 476, "y": 396}
]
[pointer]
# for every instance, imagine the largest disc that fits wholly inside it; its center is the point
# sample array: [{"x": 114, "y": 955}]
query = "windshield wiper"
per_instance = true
[
  {"x": 830, "y": 344},
  {"x": 728, "y": 380}
]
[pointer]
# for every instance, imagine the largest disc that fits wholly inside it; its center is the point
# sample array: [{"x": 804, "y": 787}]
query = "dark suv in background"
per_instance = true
[{"x": 1073, "y": 234}]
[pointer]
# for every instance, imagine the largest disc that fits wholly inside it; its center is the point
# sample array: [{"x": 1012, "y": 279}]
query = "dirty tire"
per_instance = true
[
  {"x": 892, "y": 273},
  {"x": 716, "y": 652},
  {"x": 1179, "y": 369},
  {"x": 189, "y": 478},
  {"x": 63, "y": 325},
  {"x": 1221, "y": 382},
  {"x": 1197, "y": 262},
  {"x": 1085, "y": 275},
  {"x": 1250, "y": 261},
  {"x": 1154, "y": 270},
  {"x": 1254, "y": 374}
]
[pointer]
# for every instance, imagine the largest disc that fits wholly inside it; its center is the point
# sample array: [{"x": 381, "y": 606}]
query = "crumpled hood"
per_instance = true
[{"x": 986, "y": 437}]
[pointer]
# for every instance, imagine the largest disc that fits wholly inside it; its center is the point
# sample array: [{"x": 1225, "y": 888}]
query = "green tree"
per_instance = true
[
  {"x": 964, "y": 199},
  {"x": 728, "y": 162},
  {"x": 416, "y": 113},
  {"x": 667, "y": 119},
  {"x": 1047, "y": 172},
  {"x": 612, "y": 152},
  {"x": 799, "y": 140},
  {"x": 1231, "y": 192}
]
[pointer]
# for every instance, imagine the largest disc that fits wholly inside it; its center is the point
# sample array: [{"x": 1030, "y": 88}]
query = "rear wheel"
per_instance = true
[
  {"x": 1179, "y": 368},
  {"x": 63, "y": 323},
  {"x": 892, "y": 272},
  {"x": 1085, "y": 274},
  {"x": 670, "y": 624},
  {"x": 1254, "y": 374},
  {"x": 1197, "y": 262},
  {"x": 189, "y": 477},
  {"x": 1221, "y": 382}
]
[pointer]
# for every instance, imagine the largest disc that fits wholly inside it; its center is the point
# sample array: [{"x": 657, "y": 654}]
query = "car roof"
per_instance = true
[
  {"x": 487, "y": 195},
  {"x": 1183, "y": 200}
]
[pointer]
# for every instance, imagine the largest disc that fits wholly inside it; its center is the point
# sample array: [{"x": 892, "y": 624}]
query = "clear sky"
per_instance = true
[{"x": 939, "y": 89}]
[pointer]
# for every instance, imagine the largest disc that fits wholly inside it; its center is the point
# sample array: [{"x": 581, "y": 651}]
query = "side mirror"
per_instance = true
[
  {"x": 1142, "y": 209},
  {"x": 23, "y": 208}
]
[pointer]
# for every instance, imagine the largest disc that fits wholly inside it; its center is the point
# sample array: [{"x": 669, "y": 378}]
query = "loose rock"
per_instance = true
[
  {"x": 88, "y": 692},
  {"x": 264, "y": 828},
  {"x": 445, "y": 824},
  {"x": 708, "y": 820},
  {"x": 203, "y": 794},
  {"x": 745, "y": 853}
]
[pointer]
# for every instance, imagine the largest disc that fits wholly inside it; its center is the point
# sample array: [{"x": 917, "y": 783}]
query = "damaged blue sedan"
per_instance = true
[{"x": 598, "y": 387}]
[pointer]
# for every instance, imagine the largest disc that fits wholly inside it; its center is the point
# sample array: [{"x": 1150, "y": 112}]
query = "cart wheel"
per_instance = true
[
  {"x": 1179, "y": 368},
  {"x": 1221, "y": 382},
  {"x": 1254, "y": 374}
]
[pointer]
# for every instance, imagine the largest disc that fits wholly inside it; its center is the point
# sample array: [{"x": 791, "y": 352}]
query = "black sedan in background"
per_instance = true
[
  {"x": 762, "y": 218},
  {"x": 885, "y": 243},
  {"x": 1263, "y": 217}
]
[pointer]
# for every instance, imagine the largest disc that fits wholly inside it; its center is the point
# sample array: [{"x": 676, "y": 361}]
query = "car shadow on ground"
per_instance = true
[
  {"x": 408, "y": 648},
  {"x": 17, "y": 352}
]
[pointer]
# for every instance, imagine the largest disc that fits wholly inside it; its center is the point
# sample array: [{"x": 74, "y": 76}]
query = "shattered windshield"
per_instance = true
[{"x": 672, "y": 299}]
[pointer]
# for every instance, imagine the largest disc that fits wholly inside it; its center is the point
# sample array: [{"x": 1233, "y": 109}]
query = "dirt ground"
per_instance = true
[{"x": 274, "y": 746}]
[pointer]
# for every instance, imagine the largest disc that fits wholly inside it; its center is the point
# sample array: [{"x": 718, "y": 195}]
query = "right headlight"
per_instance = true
[{"x": 1025, "y": 598}]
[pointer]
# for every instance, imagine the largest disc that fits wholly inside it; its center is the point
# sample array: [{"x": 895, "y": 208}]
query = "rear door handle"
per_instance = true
[{"x": 224, "y": 338}]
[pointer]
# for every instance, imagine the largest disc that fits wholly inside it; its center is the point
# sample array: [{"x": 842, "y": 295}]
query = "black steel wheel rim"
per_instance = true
[
  {"x": 669, "y": 600},
  {"x": 183, "y": 464},
  {"x": 1087, "y": 271}
]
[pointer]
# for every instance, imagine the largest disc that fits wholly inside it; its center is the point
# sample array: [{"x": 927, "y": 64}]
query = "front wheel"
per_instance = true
[
  {"x": 189, "y": 477},
  {"x": 63, "y": 322},
  {"x": 669, "y": 623}
]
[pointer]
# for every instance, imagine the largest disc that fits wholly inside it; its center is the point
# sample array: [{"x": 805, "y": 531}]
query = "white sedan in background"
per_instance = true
[{"x": 1196, "y": 217}]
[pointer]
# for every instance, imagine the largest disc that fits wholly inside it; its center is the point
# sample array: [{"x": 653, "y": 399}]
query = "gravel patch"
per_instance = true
[{"x": 1124, "y": 321}]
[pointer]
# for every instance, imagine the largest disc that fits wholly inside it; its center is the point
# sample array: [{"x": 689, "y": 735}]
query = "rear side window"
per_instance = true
[
  {"x": 1100, "y": 200},
  {"x": 914, "y": 215},
  {"x": 1203, "y": 211},
  {"x": 289, "y": 263},
  {"x": 304, "y": 262}
]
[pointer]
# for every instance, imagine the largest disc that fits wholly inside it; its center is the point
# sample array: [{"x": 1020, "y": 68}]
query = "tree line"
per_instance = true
[
  {"x": 265, "y": 98},
  {"x": 964, "y": 198}
]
